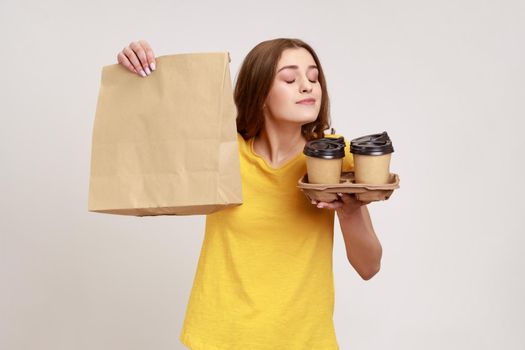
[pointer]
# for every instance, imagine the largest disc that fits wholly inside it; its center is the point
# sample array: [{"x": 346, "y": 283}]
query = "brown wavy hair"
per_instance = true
[{"x": 255, "y": 79}]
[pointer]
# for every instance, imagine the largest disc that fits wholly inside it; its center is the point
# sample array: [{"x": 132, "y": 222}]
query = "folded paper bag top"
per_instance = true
[{"x": 166, "y": 144}]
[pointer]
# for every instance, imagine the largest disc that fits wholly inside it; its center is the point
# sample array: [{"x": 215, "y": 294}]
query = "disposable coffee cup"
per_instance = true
[
  {"x": 324, "y": 161},
  {"x": 372, "y": 154}
]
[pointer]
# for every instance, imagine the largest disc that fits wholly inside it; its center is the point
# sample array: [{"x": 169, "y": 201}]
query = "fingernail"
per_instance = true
[
  {"x": 152, "y": 65},
  {"x": 142, "y": 73},
  {"x": 148, "y": 72},
  {"x": 319, "y": 206},
  {"x": 340, "y": 194}
]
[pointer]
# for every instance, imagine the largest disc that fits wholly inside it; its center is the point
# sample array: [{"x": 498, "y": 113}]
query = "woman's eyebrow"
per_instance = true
[{"x": 296, "y": 67}]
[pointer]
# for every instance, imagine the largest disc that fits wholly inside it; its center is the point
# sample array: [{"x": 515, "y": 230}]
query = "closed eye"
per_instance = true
[{"x": 290, "y": 82}]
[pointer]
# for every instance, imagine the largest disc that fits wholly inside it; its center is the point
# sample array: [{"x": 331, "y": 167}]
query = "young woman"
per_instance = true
[{"x": 264, "y": 278}]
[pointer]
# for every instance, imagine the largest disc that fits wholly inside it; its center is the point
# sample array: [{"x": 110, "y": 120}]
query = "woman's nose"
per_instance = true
[{"x": 306, "y": 85}]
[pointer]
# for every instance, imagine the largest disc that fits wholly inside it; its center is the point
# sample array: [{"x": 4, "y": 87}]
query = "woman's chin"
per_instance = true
[
  {"x": 300, "y": 119},
  {"x": 308, "y": 119},
  {"x": 303, "y": 121}
]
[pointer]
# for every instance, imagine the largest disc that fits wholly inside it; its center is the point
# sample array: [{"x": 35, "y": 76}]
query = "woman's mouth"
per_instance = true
[{"x": 307, "y": 101}]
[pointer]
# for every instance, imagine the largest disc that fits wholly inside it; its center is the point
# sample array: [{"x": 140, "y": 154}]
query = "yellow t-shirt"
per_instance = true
[{"x": 264, "y": 278}]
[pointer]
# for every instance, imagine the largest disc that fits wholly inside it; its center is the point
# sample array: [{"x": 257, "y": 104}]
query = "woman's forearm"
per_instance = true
[{"x": 363, "y": 248}]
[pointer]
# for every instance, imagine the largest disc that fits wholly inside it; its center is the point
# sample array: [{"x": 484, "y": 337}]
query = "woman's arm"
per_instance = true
[{"x": 363, "y": 249}]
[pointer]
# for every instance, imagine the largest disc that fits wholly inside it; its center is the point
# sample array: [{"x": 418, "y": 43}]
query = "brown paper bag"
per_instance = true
[{"x": 166, "y": 144}]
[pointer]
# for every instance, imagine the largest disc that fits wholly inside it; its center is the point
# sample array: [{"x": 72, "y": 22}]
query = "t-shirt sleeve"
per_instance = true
[{"x": 348, "y": 160}]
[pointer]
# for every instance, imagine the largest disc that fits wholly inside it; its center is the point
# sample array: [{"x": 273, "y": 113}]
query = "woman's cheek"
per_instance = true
[{"x": 283, "y": 96}]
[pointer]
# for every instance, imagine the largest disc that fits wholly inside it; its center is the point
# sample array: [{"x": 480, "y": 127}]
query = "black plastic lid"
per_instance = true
[
  {"x": 372, "y": 145},
  {"x": 324, "y": 148},
  {"x": 339, "y": 139}
]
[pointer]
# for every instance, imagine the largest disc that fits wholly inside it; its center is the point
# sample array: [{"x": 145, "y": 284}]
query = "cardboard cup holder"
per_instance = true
[{"x": 363, "y": 192}]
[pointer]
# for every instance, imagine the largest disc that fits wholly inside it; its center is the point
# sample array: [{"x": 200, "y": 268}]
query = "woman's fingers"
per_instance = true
[
  {"x": 150, "y": 56},
  {"x": 140, "y": 52},
  {"x": 138, "y": 57},
  {"x": 123, "y": 60},
  {"x": 344, "y": 199},
  {"x": 132, "y": 57},
  {"x": 331, "y": 205}
]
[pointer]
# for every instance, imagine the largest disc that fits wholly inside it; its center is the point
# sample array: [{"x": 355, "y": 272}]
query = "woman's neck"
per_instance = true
[{"x": 279, "y": 143}]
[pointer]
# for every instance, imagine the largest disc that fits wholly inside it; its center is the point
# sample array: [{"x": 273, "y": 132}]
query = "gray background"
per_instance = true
[{"x": 444, "y": 78}]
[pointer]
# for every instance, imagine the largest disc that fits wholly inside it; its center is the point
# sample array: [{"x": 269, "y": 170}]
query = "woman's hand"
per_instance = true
[
  {"x": 138, "y": 58},
  {"x": 347, "y": 202}
]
